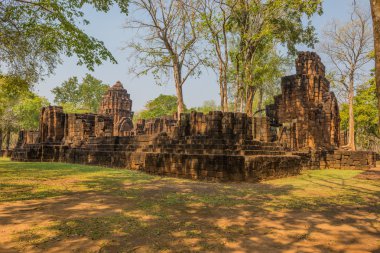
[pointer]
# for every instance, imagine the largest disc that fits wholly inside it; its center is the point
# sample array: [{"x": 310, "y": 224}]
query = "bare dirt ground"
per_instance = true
[{"x": 73, "y": 208}]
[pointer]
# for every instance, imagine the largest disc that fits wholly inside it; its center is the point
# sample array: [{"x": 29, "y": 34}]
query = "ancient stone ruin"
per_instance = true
[
  {"x": 300, "y": 131},
  {"x": 306, "y": 113}
]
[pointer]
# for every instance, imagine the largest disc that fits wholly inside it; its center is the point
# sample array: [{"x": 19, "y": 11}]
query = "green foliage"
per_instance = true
[
  {"x": 207, "y": 107},
  {"x": 22, "y": 112},
  {"x": 73, "y": 108},
  {"x": 166, "y": 105},
  {"x": 163, "y": 105},
  {"x": 68, "y": 92},
  {"x": 35, "y": 33},
  {"x": 259, "y": 27},
  {"x": 27, "y": 111},
  {"x": 11, "y": 88},
  {"x": 365, "y": 108},
  {"x": 280, "y": 21},
  {"x": 81, "y": 97},
  {"x": 344, "y": 116},
  {"x": 19, "y": 107},
  {"x": 365, "y": 115}
]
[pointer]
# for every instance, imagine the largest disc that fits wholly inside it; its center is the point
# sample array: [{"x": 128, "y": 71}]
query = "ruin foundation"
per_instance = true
[{"x": 300, "y": 131}]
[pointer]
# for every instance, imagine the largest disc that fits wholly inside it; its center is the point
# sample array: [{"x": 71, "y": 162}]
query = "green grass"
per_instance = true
[
  {"x": 26, "y": 181},
  {"x": 312, "y": 189},
  {"x": 155, "y": 208}
]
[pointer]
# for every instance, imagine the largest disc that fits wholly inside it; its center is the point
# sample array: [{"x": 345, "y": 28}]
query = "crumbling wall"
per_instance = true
[
  {"x": 306, "y": 112},
  {"x": 52, "y": 120},
  {"x": 103, "y": 125},
  {"x": 79, "y": 128},
  {"x": 215, "y": 146},
  {"x": 337, "y": 159}
]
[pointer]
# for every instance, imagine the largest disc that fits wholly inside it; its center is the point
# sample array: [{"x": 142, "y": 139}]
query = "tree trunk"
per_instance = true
[
  {"x": 180, "y": 103},
  {"x": 241, "y": 103},
  {"x": 236, "y": 97},
  {"x": 7, "y": 140},
  {"x": 351, "y": 119},
  {"x": 249, "y": 103},
  {"x": 178, "y": 87},
  {"x": 225, "y": 92},
  {"x": 237, "y": 80},
  {"x": 260, "y": 102},
  {"x": 375, "y": 10},
  {"x": 225, "y": 84},
  {"x": 221, "y": 86}
]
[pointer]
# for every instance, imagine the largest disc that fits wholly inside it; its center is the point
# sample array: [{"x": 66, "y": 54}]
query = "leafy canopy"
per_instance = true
[
  {"x": 33, "y": 35},
  {"x": 81, "y": 97},
  {"x": 27, "y": 111},
  {"x": 22, "y": 112},
  {"x": 163, "y": 105}
]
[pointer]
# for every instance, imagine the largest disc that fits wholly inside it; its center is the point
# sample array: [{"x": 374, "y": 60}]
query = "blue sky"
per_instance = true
[{"x": 108, "y": 27}]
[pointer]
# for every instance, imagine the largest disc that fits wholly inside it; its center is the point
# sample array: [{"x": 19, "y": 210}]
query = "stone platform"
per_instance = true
[{"x": 209, "y": 154}]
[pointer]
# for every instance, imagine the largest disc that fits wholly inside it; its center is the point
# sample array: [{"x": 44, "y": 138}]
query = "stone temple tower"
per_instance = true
[
  {"x": 117, "y": 103},
  {"x": 306, "y": 112}
]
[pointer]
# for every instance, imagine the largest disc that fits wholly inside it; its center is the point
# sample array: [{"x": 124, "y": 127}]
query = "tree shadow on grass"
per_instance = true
[
  {"x": 158, "y": 214},
  {"x": 221, "y": 220}
]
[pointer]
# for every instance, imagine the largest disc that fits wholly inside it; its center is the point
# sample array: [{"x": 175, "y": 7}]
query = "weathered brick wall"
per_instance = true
[
  {"x": 79, "y": 128},
  {"x": 103, "y": 125},
  {"x": 52, "y": 120},
  {"x": 31, "y": 137},
  {"x": 338, "y": 159},
  {"x": 262, "y": 129},
  {"x": 28, "y": 137},
  {"x": 306, "y": 112}
]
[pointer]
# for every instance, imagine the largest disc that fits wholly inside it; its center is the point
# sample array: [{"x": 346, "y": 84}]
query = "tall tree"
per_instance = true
[
  {"x": 348, "y": 47},
  {"x": 214, "y": 16},
  {"x": 375, "y": 10},
  {"x": 27, "y": 111},
  {"x": 259, "y": 24},
  {"x": 35, "y": 33},
  {"x": 80, "y": 97},
  {"x": 365, "y": 111},
  {"x": 267, "y": 76},
  {"x": 168, "y": 46},
  {"x": 20, "y": 112},
  {"x": 11, "y": 88},
  {"x": 67, "y": 92}
]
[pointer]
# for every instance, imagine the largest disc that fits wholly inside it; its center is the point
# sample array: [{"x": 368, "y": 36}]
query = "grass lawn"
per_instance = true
[{"x": 55, "y": 207}]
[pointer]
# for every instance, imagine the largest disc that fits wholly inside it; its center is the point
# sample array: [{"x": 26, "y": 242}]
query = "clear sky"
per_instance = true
[{"x": 108, "y": 27}]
